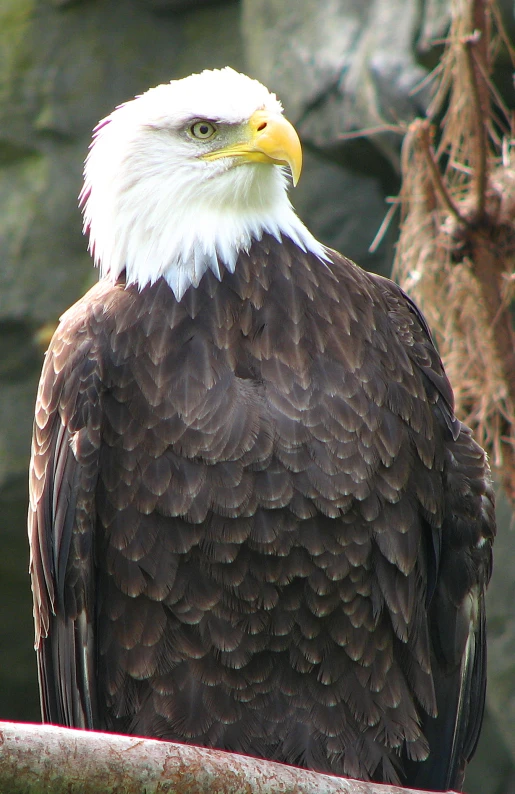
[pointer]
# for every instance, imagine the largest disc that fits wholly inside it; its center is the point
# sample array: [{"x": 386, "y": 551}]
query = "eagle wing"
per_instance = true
[
  {"x": 63, "y": 471},
  {"x": 458, "y": 569}
]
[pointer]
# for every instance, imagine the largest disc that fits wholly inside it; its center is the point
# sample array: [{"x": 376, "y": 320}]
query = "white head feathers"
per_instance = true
[{"x": 154, "y": 207}]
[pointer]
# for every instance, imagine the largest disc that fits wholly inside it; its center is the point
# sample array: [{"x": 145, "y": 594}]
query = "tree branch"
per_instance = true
[
  {"x": 43, "y": 758},
  {"x": 480, "y": 131},
  {"x": 464, "y": 255}
]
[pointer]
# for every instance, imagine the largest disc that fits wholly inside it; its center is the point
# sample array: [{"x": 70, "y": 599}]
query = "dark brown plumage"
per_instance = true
[{"x": 257, "y": 525}]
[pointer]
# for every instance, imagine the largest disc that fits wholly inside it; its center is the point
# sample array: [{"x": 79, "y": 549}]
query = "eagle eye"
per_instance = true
[{"x": 203, "y": 130}]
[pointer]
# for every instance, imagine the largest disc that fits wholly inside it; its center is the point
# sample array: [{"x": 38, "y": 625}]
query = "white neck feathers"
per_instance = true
[
  {"x": 154, "y": 210},
  {"x": 152, "y": 228}
]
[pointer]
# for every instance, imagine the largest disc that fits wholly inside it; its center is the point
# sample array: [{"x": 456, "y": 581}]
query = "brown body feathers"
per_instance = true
[{"x": 257, "y": 525}]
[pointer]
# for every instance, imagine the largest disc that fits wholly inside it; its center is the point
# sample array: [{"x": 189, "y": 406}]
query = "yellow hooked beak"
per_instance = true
[{"x": 268, "y": 138}]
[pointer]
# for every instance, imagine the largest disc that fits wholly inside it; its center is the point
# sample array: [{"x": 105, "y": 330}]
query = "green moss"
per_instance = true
[{"x": 15, "y": 19}]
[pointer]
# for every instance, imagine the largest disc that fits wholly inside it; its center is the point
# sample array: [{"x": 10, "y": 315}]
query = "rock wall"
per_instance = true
[{"x": 337, "y": 65}]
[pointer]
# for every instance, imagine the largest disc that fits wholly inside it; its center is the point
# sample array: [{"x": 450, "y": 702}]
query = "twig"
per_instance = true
[
  {"x": 383, "y": 228},
  {"x": 398, "y": 129},
  {"x": 439, "y": 184}
]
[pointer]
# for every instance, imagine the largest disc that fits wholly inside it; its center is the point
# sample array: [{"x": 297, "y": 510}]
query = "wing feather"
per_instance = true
[
  {"x": 62, "y": 521},
  {"x": 459, "y": 561}
]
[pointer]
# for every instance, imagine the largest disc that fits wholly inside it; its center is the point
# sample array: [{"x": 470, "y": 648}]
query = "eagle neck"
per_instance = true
[{"x": 182, "y": 235}]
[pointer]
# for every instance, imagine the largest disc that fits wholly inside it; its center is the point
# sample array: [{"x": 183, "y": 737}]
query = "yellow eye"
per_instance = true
[{"x": 203, "y": 130}]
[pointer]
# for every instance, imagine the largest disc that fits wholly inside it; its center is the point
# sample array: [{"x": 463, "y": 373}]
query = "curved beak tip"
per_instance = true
[
  {"x": 295, "y": 174},
  {"x": 276, "y": 138}
]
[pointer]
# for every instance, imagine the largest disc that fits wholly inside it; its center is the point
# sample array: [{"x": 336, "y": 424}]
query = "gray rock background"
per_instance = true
[{"x": 338, "y": 66}]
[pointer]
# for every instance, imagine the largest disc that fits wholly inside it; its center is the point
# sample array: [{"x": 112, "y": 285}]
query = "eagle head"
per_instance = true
[{"x": 184, "y": 177}]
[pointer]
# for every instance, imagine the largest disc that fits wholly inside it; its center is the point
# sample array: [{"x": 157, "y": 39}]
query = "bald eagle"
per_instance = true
[{"x": 255, "y": 522}]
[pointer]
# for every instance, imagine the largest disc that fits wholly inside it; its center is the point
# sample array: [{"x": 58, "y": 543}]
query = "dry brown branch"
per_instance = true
[
  {"x": 44, "y": 758},
  {"x": 423, "y": 128},
  {"x": 456, "y": 252},
  {"x": 480, "y": 173}
]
